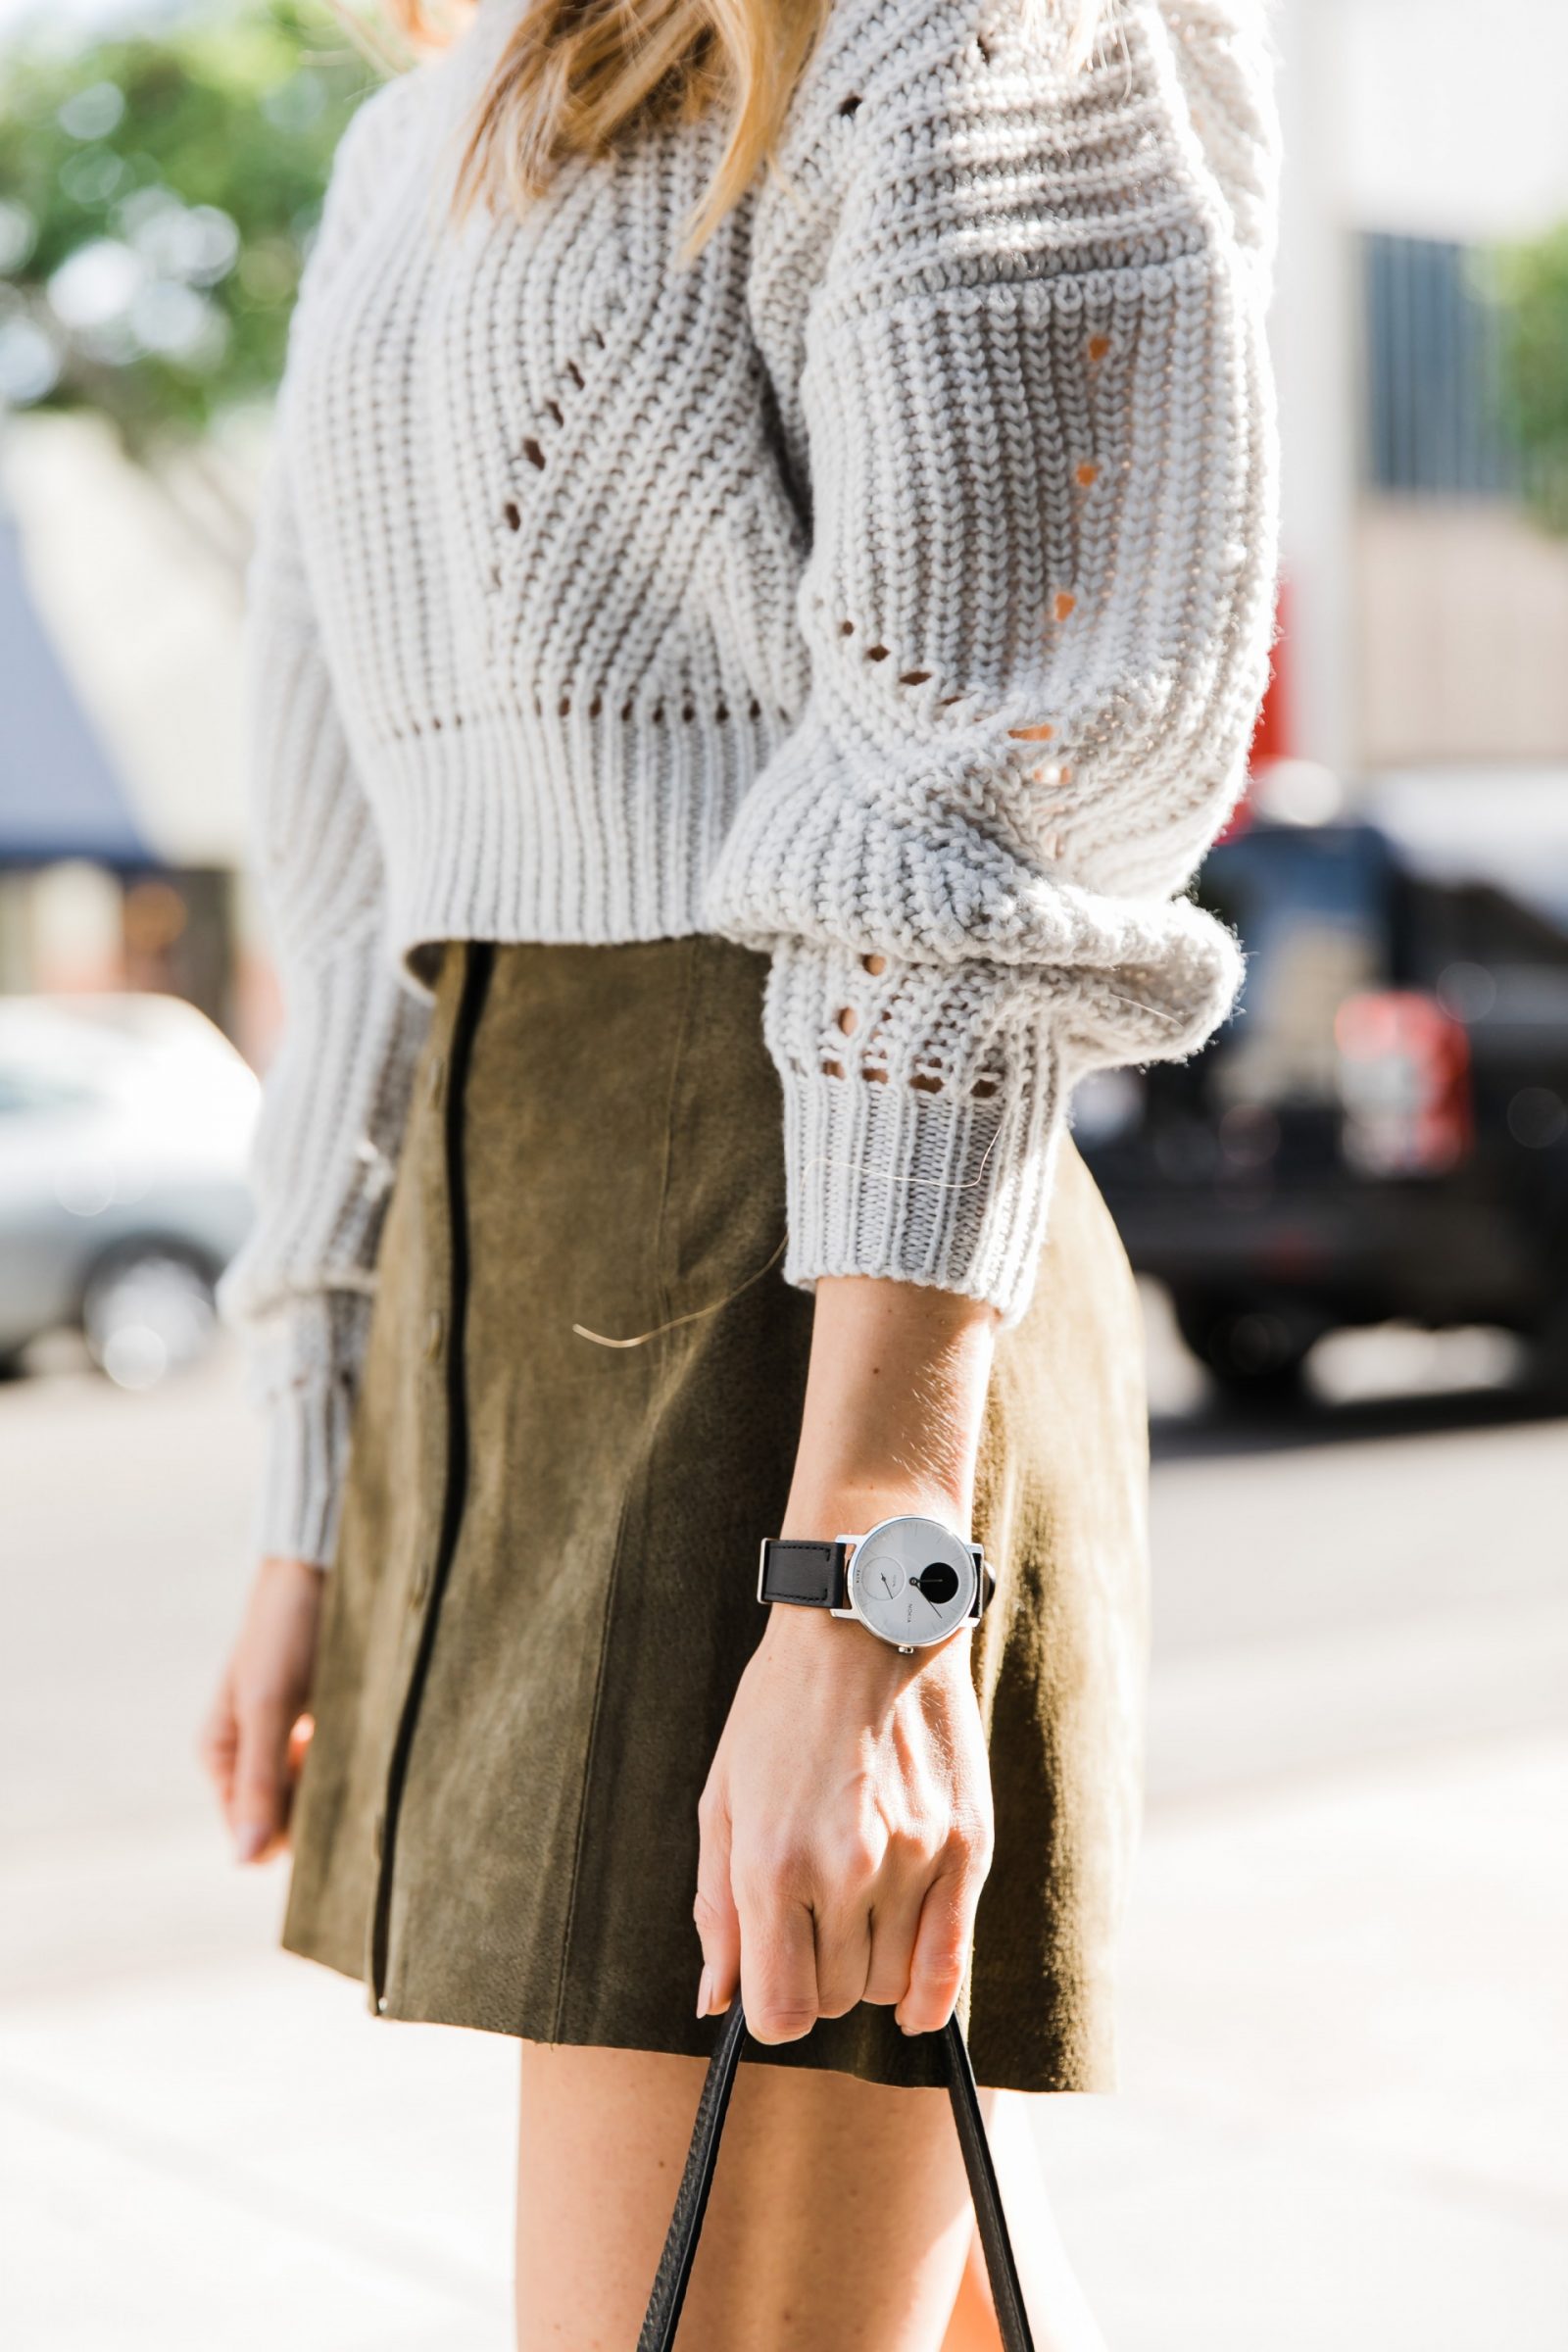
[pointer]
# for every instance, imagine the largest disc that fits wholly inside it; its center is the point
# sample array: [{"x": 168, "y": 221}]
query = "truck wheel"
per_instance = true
[
  {"x": 1547, "y": 1373},
  {"x": 1255, "y": 1352}
]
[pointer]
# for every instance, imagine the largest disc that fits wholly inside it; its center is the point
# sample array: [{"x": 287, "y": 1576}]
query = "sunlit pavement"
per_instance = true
[{"x": 1345, "y": 2045}]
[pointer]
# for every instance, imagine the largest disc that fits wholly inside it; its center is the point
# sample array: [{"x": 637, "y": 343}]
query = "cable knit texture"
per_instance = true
[{"x": 890, "y": 589}]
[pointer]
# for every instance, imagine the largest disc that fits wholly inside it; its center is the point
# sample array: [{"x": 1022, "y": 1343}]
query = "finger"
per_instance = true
[
  {"x": 843, "y": 1941},
  {"x": 941, "y": 1950},
  {"x": 778, "y": 1961},
  {"x": 258, "y": 1808},
  {"x": 718, "y": 1926},
  {"x": 842, "y": 1924},
  {"x": 218, "y": 1742},
  {"x": 895, "y": 1925}
]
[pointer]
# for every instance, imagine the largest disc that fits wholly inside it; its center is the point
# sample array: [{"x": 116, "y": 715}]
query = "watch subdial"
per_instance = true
[{"x": 937, "y": 1584}]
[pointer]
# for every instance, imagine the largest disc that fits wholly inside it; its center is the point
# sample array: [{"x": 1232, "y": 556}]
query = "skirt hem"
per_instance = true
[{"x": 688, "y": 2040}]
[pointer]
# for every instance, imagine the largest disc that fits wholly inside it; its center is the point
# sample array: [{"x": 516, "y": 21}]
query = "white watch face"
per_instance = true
[{"x": 912, "y": 1581}]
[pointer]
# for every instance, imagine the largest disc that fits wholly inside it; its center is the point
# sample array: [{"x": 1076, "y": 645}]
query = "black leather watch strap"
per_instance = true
[{"x": 810, "y": 1574}]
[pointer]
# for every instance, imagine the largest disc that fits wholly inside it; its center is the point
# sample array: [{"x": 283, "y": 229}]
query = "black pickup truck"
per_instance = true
[{"x": 1380, "y": 1133}]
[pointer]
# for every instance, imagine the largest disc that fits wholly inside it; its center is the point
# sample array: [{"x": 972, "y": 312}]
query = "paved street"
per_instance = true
[{"x": 1345, "y": 2048}]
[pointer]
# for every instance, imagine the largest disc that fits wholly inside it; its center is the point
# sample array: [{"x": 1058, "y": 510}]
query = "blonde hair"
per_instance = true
[{"x": 577, "y": 76}]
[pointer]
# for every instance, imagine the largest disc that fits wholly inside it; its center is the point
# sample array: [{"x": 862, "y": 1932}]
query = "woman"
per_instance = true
[{"x": 763, "y": 591}]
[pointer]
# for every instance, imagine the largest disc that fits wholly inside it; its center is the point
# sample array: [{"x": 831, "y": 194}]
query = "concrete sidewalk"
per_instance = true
[
  {"x": 207, "y": 2144},
  {"x": 1345, "y": 2047}
]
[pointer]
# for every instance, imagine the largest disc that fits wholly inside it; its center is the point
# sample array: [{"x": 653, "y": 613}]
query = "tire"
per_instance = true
[
  {"x": 1255, "y": 1352},
  {"x": 147, "y": 1310},
  {"x": 1548, "y": 1363}
]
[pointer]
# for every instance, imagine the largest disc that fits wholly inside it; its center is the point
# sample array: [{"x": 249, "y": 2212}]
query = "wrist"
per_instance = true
[
  {"x": 811, "y": 1642},
  {"x": 889, "y": 1570},
  {"x": 894, "y": 1407},
  {"x": 287, "y": 1568},
  {"x": 824, "y": 1504}
]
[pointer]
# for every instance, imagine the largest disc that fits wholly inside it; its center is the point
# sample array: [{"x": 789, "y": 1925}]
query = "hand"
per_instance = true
[
  {"x": 846, "y": 1824},
  {"x": 253, "y": 1740},
  {"x": 846, "y": 1830}
]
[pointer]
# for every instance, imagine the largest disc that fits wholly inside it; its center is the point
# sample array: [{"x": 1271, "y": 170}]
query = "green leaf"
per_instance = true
[
  {"x": 1531, "y": 289},
  {"x": 157, "y": 193}
]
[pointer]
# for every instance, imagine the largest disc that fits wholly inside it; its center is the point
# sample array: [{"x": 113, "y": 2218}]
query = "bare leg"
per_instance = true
[
  {"x": 1059, "y": 2315},
  {"x": 839, "y": 2223},
  {"x": 840, "y": 2219}
]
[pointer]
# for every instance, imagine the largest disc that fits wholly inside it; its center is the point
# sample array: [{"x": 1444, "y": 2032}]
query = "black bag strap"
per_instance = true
[{"x": 691, "y": 2202}]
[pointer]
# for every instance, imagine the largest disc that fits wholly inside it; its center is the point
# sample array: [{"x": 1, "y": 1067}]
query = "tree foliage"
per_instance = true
[
  {"x": 158, "y": 192},
  {"x": 1531, "y": 284}
]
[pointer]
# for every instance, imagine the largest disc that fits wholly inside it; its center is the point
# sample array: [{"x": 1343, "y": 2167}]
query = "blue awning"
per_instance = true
[{"x": 60, "y": 795}]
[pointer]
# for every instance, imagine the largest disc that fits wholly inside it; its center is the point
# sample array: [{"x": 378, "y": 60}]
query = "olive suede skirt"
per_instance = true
[{"x": 544, "y": 1591}]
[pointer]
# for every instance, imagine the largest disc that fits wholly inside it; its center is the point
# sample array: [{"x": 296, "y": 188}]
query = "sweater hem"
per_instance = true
[{"x": 576, "y": 831}]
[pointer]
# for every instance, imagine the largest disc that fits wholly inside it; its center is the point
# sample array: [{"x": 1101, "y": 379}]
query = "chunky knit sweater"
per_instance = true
[{"x": 890, "y": 589}]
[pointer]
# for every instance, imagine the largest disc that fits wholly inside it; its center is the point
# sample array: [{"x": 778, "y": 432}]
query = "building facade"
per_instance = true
[{"x": 1426, "y": 611}]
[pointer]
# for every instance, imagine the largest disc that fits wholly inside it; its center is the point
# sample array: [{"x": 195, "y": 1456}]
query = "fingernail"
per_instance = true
[
  {"x": 249, "y": 1841},
  {"x": 705, "y": 1991}
]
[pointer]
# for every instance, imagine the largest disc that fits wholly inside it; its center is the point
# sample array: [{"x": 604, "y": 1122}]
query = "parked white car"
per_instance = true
[{"x": 125, "y": 1124}]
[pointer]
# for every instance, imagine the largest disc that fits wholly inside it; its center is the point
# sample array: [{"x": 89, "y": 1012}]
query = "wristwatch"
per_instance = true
[{"x": 909, "y": 1581}]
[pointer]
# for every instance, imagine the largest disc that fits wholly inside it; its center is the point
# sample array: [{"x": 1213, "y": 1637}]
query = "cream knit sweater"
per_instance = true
[{"x": 892, "y": 590}]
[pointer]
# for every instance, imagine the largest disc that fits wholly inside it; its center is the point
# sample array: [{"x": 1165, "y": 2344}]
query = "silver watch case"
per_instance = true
[{"x": 880, "y": 1582}]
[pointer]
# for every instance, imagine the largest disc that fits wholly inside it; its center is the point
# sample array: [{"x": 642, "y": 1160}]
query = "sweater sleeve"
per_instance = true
[
  {"x": 335, "y": 1098},
  {"x": 1038, "y": 608}
]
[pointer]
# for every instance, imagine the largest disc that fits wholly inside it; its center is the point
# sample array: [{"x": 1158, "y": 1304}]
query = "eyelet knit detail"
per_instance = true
[{"x": 890, "y": 589}]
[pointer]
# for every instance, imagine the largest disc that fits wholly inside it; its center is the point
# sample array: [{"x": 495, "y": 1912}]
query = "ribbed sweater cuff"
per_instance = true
[
  {"x": 306, "y": 1454},
  {"x": 939, "y": 1189}
]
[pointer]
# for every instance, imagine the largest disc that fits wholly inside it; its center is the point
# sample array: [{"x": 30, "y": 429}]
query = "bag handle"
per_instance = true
[{"x": 691, "y": 2202}]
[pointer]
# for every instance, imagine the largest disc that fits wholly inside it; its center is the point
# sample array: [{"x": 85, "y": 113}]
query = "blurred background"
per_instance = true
[{"x": 1345, "y": 2044}]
